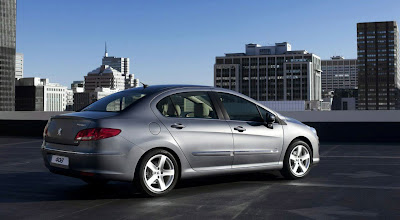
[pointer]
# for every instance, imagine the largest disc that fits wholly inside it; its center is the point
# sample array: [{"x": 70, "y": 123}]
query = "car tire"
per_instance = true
[
  {"x": 295, "y": 162},
  {"x": 155, "y": 179}
]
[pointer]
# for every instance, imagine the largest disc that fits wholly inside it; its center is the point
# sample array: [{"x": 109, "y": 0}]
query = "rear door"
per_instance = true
[
  {"x": 254, "y": 143},
  {"x": 193, "y": 121}
]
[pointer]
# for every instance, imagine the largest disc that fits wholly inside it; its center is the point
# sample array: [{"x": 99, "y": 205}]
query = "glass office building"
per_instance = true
[
  {"x": 378, "y": 63},
  {"x": 271, "y": 73}
]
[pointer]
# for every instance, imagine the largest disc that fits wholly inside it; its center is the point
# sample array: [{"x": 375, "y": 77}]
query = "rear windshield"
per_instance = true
[{"x": 116, "y": 102}]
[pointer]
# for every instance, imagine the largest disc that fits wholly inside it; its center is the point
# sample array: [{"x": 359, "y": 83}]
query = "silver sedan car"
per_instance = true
[{"x": 153, "y": 136}]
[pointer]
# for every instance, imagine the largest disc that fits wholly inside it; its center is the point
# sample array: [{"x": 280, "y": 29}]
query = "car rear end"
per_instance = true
[
  {"x": 75, "y": 145},
  {"x": 91, "y": 143}
]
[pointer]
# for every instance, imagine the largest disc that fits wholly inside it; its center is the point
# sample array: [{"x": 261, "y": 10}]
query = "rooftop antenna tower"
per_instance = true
[{"x": 105, "y": 49}]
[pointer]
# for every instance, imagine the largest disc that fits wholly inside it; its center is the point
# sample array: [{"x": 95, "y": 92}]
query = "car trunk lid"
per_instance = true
[{"x": 62, "y": 129}]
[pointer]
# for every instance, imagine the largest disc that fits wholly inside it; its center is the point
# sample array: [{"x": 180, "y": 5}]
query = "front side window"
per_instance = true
[
  {"x": 187, "y": 105},
  {"x": 240, "y": 109},
  {"x": 264, "y": 112}
]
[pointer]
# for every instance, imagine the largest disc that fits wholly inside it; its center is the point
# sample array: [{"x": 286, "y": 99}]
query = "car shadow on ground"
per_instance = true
[{"x": 43, "y": 186}]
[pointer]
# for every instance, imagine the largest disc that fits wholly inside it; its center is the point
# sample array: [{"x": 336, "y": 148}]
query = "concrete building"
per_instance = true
[
  {"x": 104, "y": 77},
  {"x": 69, "y": 99},
  {"x": 345, "y": 99},
  {"x": 44, "y": 96},
  {"x": 378, "y": 65},
  {"x": 131, "y": 82},
  {"x": 272, "y": 73},
  {"x": 7, "y": 54},
  {"x": 338, "y": 73},
  {"x": 77, "y": 84},
  {"x": 121, "y": 64},
  {"x": 83, "y": 99},
  {"x": 19, "y": 65},
  {"x": 55, "y": 97}
]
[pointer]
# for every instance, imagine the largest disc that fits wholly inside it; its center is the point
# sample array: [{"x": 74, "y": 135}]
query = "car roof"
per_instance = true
[{"x": 158, "y": 88}]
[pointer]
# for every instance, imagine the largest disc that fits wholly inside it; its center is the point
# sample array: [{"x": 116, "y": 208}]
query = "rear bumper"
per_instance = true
[{"x": 109, "y": 165}]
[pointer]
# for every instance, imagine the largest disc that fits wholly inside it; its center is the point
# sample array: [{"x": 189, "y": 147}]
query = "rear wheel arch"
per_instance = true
[{"x": 178, "y": 160}]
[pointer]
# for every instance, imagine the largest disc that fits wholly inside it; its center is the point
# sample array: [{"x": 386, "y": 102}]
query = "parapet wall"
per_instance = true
[{"x": 332, "y": 126}]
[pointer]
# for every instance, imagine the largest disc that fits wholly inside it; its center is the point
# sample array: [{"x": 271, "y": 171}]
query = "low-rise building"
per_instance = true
[
  {"x": 77, "y": 84},
  {"x": 83, "y": 99},
  {"x": 55, "y": 97},
  {"x": 70, "y": 100},
  {"x": 345, "y": 99},
  {"x": 35, "y": 94},
  {"x": 29, "y": 94}
]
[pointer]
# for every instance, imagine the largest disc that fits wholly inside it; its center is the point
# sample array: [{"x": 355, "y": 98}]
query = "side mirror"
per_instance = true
[{"x": 269, "y": 120}]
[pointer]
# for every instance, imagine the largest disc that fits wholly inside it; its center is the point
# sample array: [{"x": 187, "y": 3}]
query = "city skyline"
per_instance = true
[{"x": 164, "y": 47}]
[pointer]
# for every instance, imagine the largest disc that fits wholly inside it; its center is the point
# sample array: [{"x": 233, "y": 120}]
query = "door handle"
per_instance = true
[
  {"x": 177, "y": 126},
  {"x": 240, "y": 128}
]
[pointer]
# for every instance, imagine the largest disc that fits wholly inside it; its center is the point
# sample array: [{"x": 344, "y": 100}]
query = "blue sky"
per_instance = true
[{"x": 177, "y": 41}]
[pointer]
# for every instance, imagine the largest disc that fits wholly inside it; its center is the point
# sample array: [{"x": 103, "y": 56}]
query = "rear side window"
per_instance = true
[
  {"x": 240, "y": 109},
  {"x": 187, "y": 105},
  {"x": 115, "y": 102}
]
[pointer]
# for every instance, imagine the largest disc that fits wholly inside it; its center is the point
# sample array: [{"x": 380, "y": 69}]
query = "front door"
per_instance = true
[
  {"x": 254, "y": 143},
  {"x": 192, "y": 120}
]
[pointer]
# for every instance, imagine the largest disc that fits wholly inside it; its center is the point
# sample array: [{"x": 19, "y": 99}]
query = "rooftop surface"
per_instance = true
[{"x": 352, "y": 181}]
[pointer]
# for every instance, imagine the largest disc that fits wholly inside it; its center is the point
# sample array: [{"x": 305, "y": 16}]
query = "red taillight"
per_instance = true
[{"x": 93, "y": 134}]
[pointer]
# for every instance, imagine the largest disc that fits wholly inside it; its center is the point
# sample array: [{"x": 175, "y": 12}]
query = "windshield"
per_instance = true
[{"x": 116, "y": 102}]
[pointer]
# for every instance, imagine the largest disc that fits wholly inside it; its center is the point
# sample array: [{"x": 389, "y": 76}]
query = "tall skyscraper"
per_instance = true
[
  {"x": 119, "y": 63},
  {"x": 19, "y": 65},
  {"x": 7, "y": 54},
  {"x": 338, "y": 73},
  {"x": 271, "y": 73},
  {"x": 378, "y": 65}
]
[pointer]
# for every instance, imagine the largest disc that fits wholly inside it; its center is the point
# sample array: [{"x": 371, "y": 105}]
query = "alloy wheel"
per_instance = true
[
  {"x": 159, "y": 173},
  {"x": 299, "y": 160}
]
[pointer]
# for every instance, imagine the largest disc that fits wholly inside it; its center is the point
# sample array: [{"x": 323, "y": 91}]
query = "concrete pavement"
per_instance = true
[{"x": 352, "y": 181}]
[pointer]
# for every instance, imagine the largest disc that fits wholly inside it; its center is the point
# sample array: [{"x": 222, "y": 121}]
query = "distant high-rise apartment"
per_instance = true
[
  {"x": 7, "y": 54},
  {"x": 19, "y": 65},
  {"x": 271, "y": 73},
  {"x": 338, "y": 73},
  {"x": 378, "y": 65}
]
